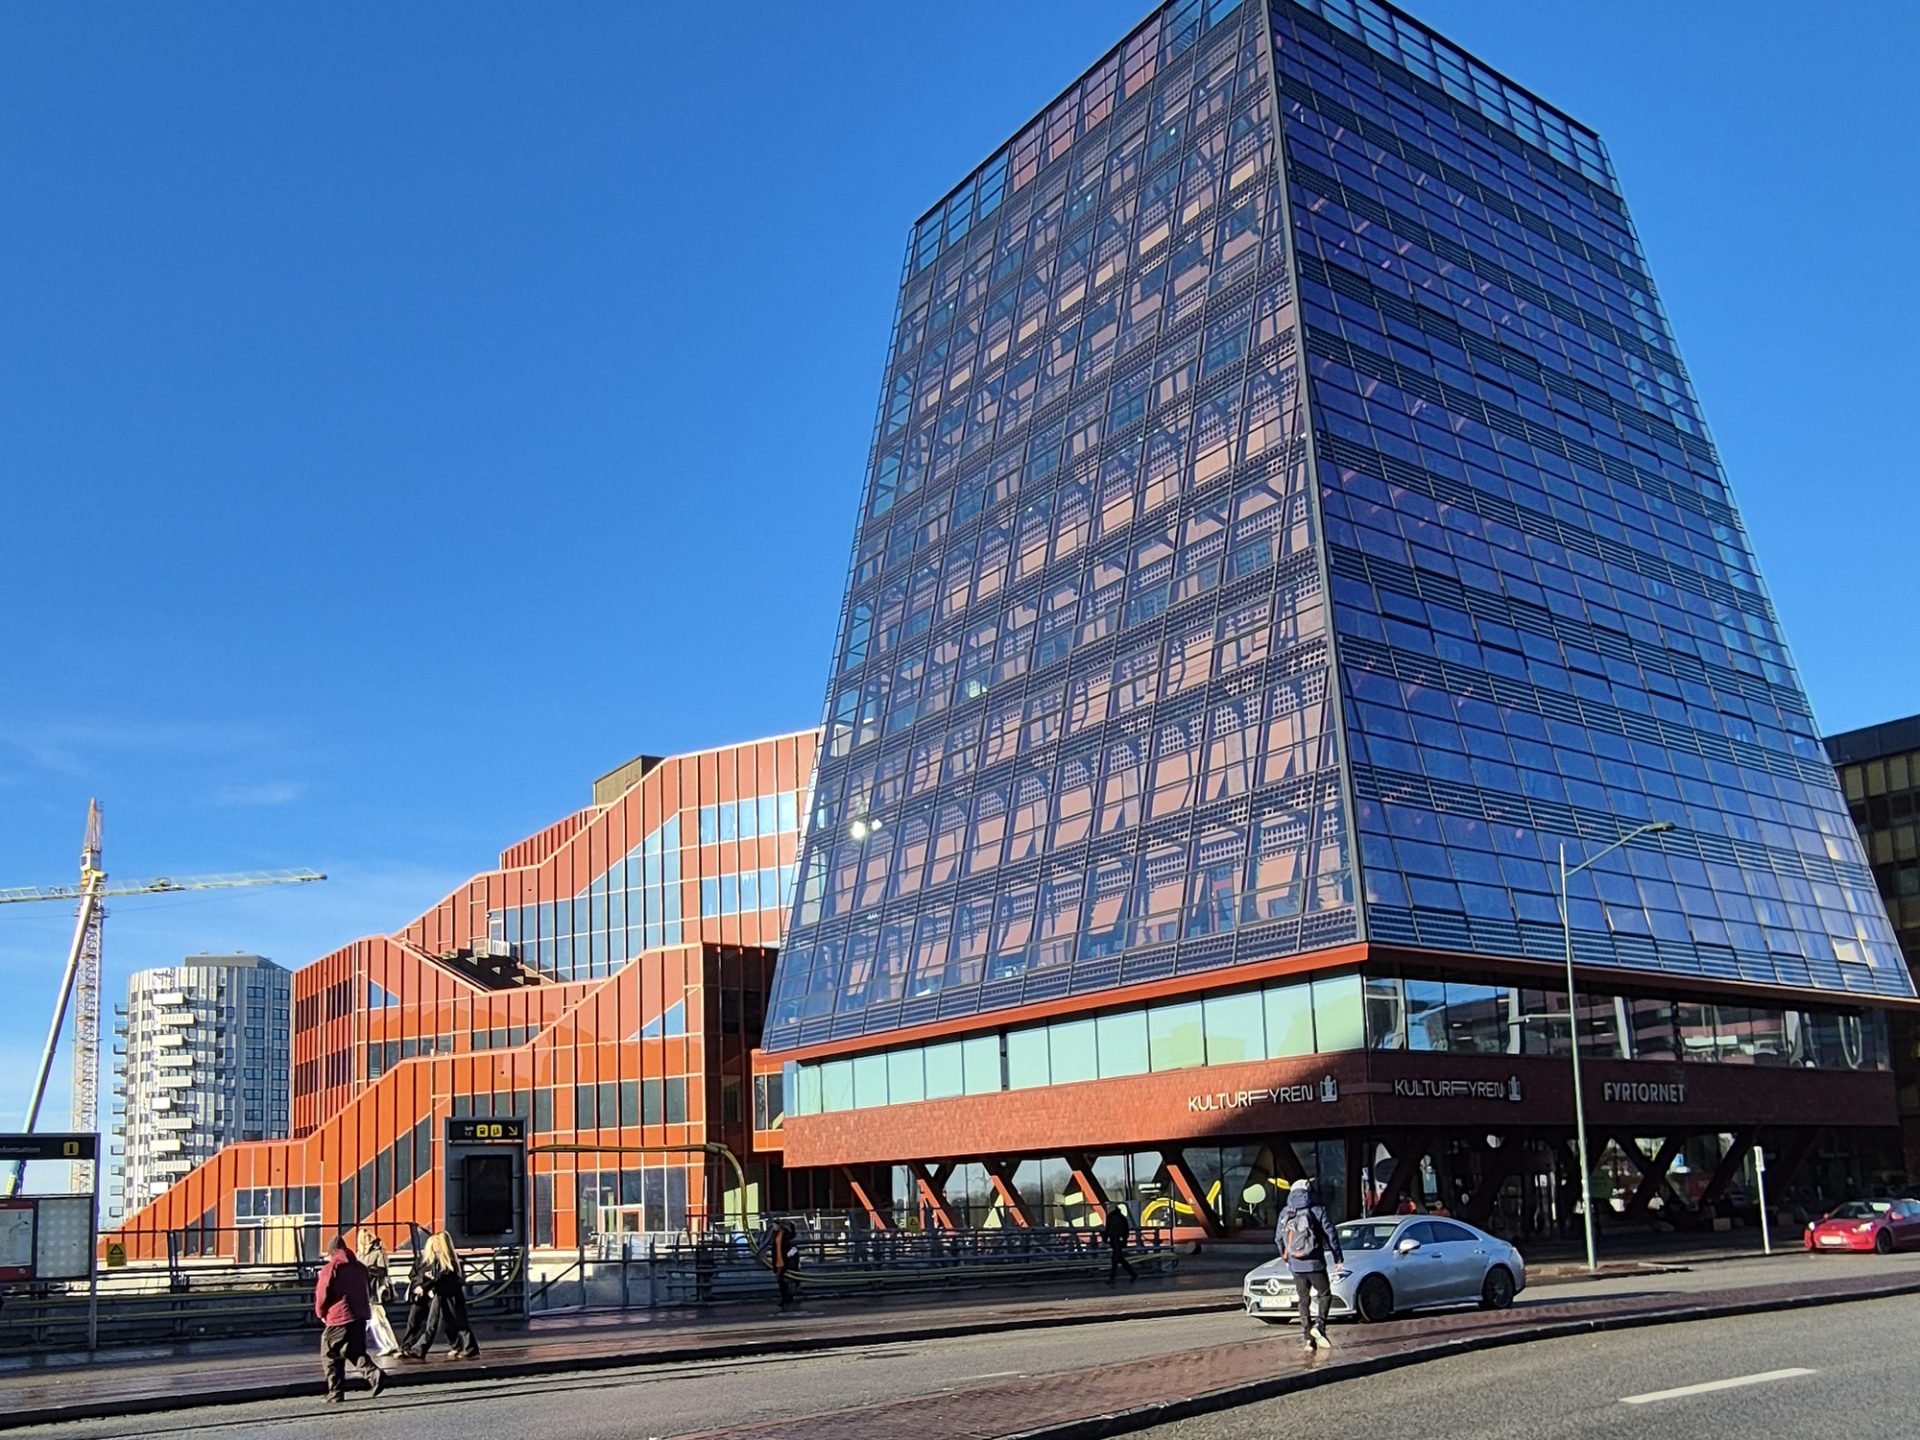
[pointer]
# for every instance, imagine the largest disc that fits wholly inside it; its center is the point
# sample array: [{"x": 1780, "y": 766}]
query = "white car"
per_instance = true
[{"x": 1399, "y": 1262}]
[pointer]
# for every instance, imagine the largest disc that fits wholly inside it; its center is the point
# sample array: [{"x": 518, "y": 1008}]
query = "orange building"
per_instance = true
[{"x": 607, "y": 984}]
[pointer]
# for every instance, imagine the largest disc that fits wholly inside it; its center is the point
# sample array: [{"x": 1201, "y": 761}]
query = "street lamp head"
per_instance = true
[{"x": 1660, "y": 827}]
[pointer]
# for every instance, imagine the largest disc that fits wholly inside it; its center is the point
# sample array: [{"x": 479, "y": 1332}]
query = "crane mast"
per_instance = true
[{"x": 86, "y": 1010}]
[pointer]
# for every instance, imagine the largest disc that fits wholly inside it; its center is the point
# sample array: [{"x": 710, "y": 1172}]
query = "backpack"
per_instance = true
[{"x": 1300, "y": 1235}]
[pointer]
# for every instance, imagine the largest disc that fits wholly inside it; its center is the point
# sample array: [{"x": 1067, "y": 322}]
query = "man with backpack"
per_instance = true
[{"x": 1306, "y": 1239}]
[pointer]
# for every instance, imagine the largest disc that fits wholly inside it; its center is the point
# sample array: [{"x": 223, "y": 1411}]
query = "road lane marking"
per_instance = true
[{"x": 1711, "y": 1385}]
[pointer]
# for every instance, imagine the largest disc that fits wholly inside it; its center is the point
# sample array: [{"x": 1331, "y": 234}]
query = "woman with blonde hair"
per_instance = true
[{"x": 437, "y": 1276}]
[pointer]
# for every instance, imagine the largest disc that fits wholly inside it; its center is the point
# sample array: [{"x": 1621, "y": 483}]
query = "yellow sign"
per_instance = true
[
  {"x": 116, "y": 1255},
  {"x": 70, "y": 1150}
]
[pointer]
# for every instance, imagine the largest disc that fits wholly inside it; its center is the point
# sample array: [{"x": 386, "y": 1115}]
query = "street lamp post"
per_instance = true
[{"x": 1573, "y": 1022}]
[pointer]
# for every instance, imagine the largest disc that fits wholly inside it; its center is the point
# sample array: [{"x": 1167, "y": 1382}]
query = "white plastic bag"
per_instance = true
[{"x": 380, "y": 1337}]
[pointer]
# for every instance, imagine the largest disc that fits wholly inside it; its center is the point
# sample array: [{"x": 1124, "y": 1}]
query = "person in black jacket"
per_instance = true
[
  {"x": 783, "y": 1253},
  {"x": 437, "y": 1279},
  {"x": 1118, "y": 1228}
]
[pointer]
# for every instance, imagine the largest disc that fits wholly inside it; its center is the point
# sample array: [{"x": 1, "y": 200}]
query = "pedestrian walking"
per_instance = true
[
  {"x": 437, "y": 1276},
  {"x": 421, "y": 1318},
  {"x": 342, "y": 1305},
  {"x": 1118, "y": 1229},
  {"x": 373, "y": 1255},
  {"x": 784, "y": 1252},
  {"x": 1306, "y": 1239},
  {"x": 380, "y": 1337}
]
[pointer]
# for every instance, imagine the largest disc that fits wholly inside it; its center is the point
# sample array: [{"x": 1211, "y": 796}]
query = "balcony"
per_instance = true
[
  {"x": 174, "y": 1017},
  {"x": 170, "y": 999}
]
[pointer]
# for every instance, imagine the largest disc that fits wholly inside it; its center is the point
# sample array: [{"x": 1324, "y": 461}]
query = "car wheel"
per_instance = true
[
  {"x": 1883, "y": 1243},
  {"x": 1374, "y": 1302},
  {"x": 1497, "y": 1293}
]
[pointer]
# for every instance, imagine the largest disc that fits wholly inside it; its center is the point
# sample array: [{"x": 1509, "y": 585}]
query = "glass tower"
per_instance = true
[{"x": 1289, "y": 523}]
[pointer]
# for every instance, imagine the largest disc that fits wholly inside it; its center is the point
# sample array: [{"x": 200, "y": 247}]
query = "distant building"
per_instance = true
[
  {"x": 204, "y": 1063},
  {"x": 1880, "y": 774}
]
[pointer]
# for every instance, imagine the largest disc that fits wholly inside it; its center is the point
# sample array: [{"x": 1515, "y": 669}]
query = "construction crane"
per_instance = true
[{"x": 80, "y": 985}]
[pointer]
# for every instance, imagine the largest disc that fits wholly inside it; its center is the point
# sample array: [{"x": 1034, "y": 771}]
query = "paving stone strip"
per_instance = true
[
  {"x": 176, "y": 1377},
  {"x": 1118, "y": 1399}
]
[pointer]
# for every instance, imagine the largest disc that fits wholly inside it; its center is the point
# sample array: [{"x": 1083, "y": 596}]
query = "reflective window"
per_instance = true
[
  {"x": 1122, "y": 1043},
  {"x": 1073, "y": 1051},
  {"x": 1176, "y": 1036},
  {"x": 1289, "y": 1020},
  {"x": 1236, "y": 1028},
  {"x": 1027, "y": 1065}
]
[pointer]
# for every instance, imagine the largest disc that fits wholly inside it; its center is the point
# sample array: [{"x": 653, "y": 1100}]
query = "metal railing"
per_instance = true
[
  {"x": 659, "y": 1272},
  {"x": 193, "y": 1296}
]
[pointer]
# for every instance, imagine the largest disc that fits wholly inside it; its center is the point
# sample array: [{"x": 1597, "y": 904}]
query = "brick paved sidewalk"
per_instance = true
[
  {"x": 1117, "y": 1399},
  {"x": 160, "y": 1378}
]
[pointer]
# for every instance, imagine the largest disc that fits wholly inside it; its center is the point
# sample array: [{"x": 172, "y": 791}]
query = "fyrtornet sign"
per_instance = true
[{"x": 1644, "y": 1092}]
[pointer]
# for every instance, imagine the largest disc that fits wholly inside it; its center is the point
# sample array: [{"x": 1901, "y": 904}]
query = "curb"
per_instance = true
[
  {"x": 518, "y": 1369},
  {"x": 1130, "y": 1421}
]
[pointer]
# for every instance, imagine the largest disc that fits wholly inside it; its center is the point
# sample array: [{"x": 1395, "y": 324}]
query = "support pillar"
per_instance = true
[
  {"x": 879, "y": 1216},
  {"x": 1729, "y": 1167},
  {"x": 1408, "y": 1149},
  {"x": 1183, "y": 1180},
  {"x": 1081, "y": 1165},
  {"x": 1784, "y": 1168},
  {"x": 1653, "y": 1173},
  {"x": 1497, "y": 1166},
  {"x": 931, "y": 1188},
  {"x": 1000, "y": 1176}
]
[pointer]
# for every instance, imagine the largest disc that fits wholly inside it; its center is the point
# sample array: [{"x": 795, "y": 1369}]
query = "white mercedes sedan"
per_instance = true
[{"x": 1399, "y": 1262}]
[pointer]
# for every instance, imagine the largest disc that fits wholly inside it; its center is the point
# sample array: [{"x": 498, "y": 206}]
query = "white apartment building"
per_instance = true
[{"x": 200, "y": 1061}]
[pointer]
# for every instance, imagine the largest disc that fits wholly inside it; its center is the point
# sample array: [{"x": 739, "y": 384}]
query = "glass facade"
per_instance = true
[
  {"x": 1156, "y": 660},
  {"x": 635, "y": 903},
  {"x": 1337, "y": 1012}
]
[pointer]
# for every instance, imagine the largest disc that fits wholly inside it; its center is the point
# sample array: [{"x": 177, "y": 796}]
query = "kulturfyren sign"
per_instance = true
[
  {"x": 1327, "y": 1091},
  {"x": 1644, "y": 1092},
  {"x": 1407, "y": 1089}
]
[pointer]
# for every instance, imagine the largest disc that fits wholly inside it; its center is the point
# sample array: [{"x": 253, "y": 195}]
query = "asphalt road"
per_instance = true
[
  {"x": 659, "y": 1401},
  {"x": 1856, "y": 1383}
]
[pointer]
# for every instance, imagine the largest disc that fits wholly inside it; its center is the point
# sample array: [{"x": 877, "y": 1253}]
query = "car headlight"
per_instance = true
[{"x": 1863, "y": 1227}]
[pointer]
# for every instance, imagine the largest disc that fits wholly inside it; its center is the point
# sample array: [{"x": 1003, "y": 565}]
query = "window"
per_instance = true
[
  {"x": 1176, "y": 1036},
  {"x": 1235, "y": 1027},
  {"x": 1027, "y": 1066},
  {"x": 981, "y": 1062},
  {"x": 1338, "y": 1021},
  {"x": 1073, "y": 1051},
  {"x": 1289, "y": 1020},
  {"x": 1122, "y": 1041},
  {"x": 945, "y": 1074},
  {"x": 906, "y": 1076}
]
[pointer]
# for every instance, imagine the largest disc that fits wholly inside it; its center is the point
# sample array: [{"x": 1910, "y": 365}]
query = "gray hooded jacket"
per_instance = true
[{"x": 1300, "y": 1197}]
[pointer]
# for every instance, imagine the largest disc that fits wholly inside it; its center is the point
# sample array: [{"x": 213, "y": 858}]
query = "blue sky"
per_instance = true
[{"x": 409, "y": 411}]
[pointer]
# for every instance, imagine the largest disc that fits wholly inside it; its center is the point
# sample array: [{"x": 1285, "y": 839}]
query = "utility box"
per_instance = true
[{"x": 485, "y": 1179}]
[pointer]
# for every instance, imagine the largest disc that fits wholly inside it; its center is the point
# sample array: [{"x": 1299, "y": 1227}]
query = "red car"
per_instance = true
[{"x": 1879, "y": 1225}]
